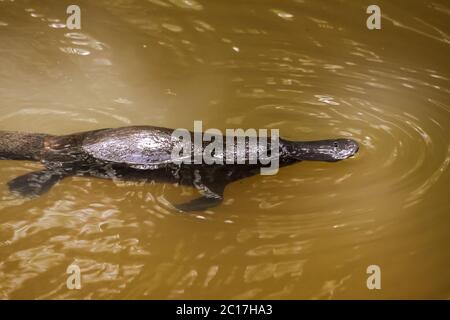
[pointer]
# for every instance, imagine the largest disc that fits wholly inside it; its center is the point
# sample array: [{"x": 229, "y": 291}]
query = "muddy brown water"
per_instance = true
[{"x": 309, "y": 68}]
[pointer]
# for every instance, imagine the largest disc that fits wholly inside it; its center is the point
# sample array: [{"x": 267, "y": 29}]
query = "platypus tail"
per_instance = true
[{"x": 21, "y": 146}]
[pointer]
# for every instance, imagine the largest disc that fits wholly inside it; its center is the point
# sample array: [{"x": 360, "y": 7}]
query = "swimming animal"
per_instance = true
[{"x": 144, "y": 153}]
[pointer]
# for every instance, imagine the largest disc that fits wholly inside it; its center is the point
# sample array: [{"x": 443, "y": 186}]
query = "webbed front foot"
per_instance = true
[
  {"x": 199, "y": 204},
  {"x": 212, "y": 196}
]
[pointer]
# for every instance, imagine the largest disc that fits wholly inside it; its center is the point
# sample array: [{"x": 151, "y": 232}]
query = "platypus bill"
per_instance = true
[{"x": 144, "y": 153}]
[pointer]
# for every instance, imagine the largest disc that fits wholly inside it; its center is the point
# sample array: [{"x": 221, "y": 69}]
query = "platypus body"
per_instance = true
[{"x": 144, "y": 153}]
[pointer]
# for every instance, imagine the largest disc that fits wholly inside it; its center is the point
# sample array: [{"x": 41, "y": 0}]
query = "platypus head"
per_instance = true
[{"x": 321, "y": 150}]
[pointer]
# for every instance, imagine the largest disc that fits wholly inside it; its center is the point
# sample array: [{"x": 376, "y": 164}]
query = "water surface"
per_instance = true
[{"x": 309, "y": 68}]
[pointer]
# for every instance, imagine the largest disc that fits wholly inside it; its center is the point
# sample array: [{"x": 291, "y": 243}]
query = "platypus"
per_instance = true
[{"x": 144, "y": 153}]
